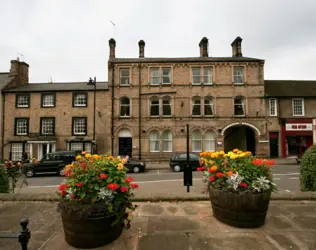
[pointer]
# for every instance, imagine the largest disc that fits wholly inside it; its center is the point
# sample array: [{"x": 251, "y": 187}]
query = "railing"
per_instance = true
[{"x": 24, "y": 236}]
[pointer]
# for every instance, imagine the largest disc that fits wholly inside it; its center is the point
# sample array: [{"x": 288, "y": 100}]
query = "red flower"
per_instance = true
[
  {"x": 63, "y": 192},
  {"x": 257, "y": 162},
  {"x": 219, "y": 175},
  {"x": 62, "y": 187},
  {"x": 84, "y": 166},
  {"x": 79, "y": 185},
  {"x": 103, "y": 176},
  {"x": 211, "y": 178},
  {"x": 113, "y": 186},
  {"x": 129, "y": 179},
  {"x": 201, "y": 163},
  {"x": 133, "y": 185},
  {"x": 242, "y": 184},
  {"x": 124, "y": 189},
  {"x": 201, "y": 169},
  {"x": 270, "y": 163}
]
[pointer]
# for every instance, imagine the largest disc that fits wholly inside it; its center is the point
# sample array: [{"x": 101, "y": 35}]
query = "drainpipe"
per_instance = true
[
  {"x": 2, "y": 124},
  {"x": 112, "y": 116},
  {"x": 139, "y": 111}
]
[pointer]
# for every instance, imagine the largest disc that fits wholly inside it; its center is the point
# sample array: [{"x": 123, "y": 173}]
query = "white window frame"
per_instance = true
[
  {"x": 242, "y": 104},
  {"x": 153, "y": 142},
  {"x": 18, "y": 120},
  {"x": 125, "y": 105},
  {"x": 16, "y": 151},
  {"x": 125, "y": 77},
  {"x": 211, "y": 76},
  {"x": 194, "y": 140},
  {"x": 302, "y": 104},
  {"x": 273, "y": 108},
  {"x": 211, "y": 100},
  {"x": 45, "y": 120},
  {"x": 167, "y": 140},
  {"x": 76, "y": 146},
  {"x": 49, "y": 103},
  {"x": 78, "y": 119},
  {"x": 238, "y": 75},
  {"x": 79, "y": 102},
  {"x": 192, "y": 102},
  {"x": 163, "y": 75},
  {"x": 166, "y": 98},
  {"x": 193, "y": 75},
  {"x": 155, "y": 76},
  {"x": 25, "y": 101},
  {"x": 210, "y": 141}
]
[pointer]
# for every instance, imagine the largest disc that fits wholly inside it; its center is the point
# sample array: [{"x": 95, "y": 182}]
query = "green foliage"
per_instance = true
[
  {"x": 4, "y": 181},
  {"x": 308, "y": 170}
]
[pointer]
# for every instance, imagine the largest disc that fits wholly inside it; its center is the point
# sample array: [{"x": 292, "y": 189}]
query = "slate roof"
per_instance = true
[
  {"x": 54, "y": 87},
  {"x": 4, "y": 80},
  {"x": 185, "y": 59},
  {"x": 290, "y": 88}
]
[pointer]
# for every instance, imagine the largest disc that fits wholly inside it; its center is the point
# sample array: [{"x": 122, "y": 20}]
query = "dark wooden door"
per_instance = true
[
  {"x": 274, "y": 145},
  {"x": 125, "y": 146}
]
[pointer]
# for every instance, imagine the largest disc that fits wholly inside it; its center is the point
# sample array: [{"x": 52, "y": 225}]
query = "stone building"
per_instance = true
[
  {"x": 45, "y": 117},
  {"x": 220, "y": 98},
  {"x": 291, "y": 114}
]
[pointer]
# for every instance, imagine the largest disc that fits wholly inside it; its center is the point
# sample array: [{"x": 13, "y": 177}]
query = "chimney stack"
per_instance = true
[
  {"x": 203, "y": 47},
  {"x": 112, "y": 45},
  {"x": 20, "y": 71},
  {"x": 141, "y": 45},
  {"x": 236, "y": 45}
]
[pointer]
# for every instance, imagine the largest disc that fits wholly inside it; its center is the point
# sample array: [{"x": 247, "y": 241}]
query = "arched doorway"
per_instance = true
[
  {"x": 125, "y": 142},
  {"x": 240, "y": 136}
]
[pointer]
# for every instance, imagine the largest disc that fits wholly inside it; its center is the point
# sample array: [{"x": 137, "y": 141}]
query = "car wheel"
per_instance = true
[
  {"x": 176, "y": 168},
  {"x": 61, "y": 172},
  {"x": 30, "y": 173},
  {"x": 136, "y": 169}
]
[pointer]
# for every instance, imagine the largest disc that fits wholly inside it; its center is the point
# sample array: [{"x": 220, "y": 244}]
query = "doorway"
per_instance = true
[
  {"x": 274, "y": 144},
  {"x": 125, "y": 142},
  {"x": 241, "y": 137}
]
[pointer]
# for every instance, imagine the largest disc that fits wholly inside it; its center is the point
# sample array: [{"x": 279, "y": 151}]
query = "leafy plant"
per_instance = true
[
  {"x": 236, "y": 171},
  {"x": 14, "y": 173},
  {"x": 4, "y": 181},
  {"x": 308, "y": 170},
  {"x": 98, "y": 183}
]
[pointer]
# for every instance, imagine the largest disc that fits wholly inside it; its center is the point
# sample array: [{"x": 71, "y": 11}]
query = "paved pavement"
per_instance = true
[
  {"x": 172, "y": 226},
  {"x": 155, "y": 182}
]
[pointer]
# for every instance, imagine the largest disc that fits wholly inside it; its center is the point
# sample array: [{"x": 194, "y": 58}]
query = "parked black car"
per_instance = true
[
  {"x": 51, "y": 163},
  {"x": 134, "y": 166},
  {"x": 178, "y": 161}
]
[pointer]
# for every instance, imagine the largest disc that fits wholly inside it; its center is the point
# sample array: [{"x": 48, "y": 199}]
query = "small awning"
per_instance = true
[{"x": 41, "y": 142}]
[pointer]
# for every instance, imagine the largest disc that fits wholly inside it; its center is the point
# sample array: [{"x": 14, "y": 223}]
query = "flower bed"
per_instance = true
[
  {"x": 239, "y": 185},
  {"x": 95, "y": 200}
]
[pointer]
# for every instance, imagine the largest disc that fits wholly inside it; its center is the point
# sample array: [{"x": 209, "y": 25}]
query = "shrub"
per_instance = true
[
  {"x": 308, "y": 170},
  {"x": 237, "y": 171},
  {"x": 4, "y": 181}
]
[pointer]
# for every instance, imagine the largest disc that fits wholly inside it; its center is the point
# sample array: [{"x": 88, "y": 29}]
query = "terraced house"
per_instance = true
[
  {"x": 45, "y": 117},
  {"x": 153, "y": 99}
]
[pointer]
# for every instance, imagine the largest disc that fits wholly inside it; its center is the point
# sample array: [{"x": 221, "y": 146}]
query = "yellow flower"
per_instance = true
[
  {"x": 78, "y": 157},
  {"x": 120, "y": 166},
  {"x": 95, "y": 156},
  {"x": 83, "y": 152},
  {"x": 233, "y": 157},
  {"x": 229, "y": 153},
  {"x": 239, "y": 152},
  {"x": 213, "y": 155},
  {"x": 242, "y": 155},
  {"x": 119, "y": 158},
  {"x": 88, "y": 156},
  {"x": 235, "y": 150}
]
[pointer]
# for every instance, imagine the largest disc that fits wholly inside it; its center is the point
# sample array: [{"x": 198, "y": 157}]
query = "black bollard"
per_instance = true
[{"x": 25, "y": 234}]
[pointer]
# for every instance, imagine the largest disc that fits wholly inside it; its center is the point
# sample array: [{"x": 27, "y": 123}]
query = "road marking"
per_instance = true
[
  {"x": 293, "y": 178},
  {"x": 287, "y": 190},
  {"x": 276, "y": 179},
  {"x": 286, "y": 174}
]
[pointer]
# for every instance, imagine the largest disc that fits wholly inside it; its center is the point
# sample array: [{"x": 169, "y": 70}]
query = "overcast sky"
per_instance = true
[{"x": 67, "y": 40}]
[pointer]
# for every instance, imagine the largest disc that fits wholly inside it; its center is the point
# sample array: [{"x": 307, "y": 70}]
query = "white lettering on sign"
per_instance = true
[{"x": 299, "y": 127}]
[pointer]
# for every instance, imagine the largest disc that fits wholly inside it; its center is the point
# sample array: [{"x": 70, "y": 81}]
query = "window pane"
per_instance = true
[
  {"x": 154, "y": 76},
  {"x": 196, "y": 75},
  {"x": 80, "y": 100},
  {"x": 22, "y": 126},
  {"x": 239, "y": 107},
  {"x": 124, "y": 107},
  {"x": 208, "y": 106},
  {"x": 124, "y": 77},
  {"x": 80, "y": 126},
  {"x": 87, "y": 147},
  {"x": 209, "y": 142},
  {"x": 196, "y": 106},
  {"x": 207, "y": 75},
  {"x": 48, "y": 100},
  {"x": 154, "y": 141},
  {"x": 23, "y": 101},
  {"x": 16, "y": 151},
  {"x": 298, "y": 107},
  {"x": 167, "y": 141},
  {"x": 154, "y": 107},
  {"x": 47, "y": 126},
  {"x": 76, "y": 146},
  {"x": 166, "y": 75},
  {"x": 272, "y": 106},
  {"x": 238, "y": 75},
  {"x": 166, "y": 107}
]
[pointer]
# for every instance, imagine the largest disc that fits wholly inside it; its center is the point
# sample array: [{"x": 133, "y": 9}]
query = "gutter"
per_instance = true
[
  {"x": 112, "y": 115},
  {"x": 139, "y": 111}
]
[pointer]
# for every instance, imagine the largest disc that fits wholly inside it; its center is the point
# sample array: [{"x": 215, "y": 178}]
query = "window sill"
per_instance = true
[
  {"x": 20, "y": 107},
  {"x": 299, "y": 115},
  {"x": 22, "y": 135},
  {"x": 74, "y": 106},
  {"x": 239, "y": 84},
  {"x": 45, "y": 107},
  {"x": 124, "y": 117},
  {"x": 154, "y": 151},
  {"x": 239, "y": 116},
  {"x": 125, "y": 86}
]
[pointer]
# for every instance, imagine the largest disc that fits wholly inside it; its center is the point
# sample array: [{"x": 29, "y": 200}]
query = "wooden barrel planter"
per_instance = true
[
  {"x": 245, "y": 210},
  {"x": 91, "y": 231}
]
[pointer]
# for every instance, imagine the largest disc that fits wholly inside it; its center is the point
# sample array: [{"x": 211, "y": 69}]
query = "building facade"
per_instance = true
[
  {"x": 42, "y": 118},
  {"x": 220, "y": 98},
  {"x": 291, "y": 113}
]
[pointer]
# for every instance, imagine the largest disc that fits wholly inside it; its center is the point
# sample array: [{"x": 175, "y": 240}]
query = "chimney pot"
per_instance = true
[
  {"x": 141, "y": 45},
  {"x": 112, "y": 44},
  {"x": 203, "y": 47},
  {"x": 236, "y": 46}
]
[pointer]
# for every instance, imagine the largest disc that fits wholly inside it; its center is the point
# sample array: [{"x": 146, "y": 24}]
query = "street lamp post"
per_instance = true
[{"x": 94, "y": 83}]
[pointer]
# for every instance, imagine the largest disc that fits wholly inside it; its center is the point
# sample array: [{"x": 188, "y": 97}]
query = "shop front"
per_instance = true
[{"x": 297, "y": 136}]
